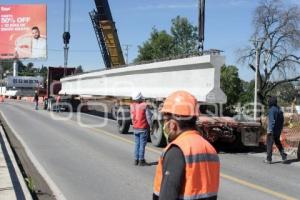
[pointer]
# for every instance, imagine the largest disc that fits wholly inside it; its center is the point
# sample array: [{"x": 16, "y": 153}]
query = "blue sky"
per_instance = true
[{"x": 228, "y": 27}]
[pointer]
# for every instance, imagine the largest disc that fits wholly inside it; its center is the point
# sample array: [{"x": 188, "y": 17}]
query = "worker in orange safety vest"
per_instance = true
[
  {"x": 189, "y": 166},
  {"x": 141, "y": 121}
]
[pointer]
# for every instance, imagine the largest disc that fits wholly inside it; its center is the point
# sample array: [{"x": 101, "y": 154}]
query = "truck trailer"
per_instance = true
[{"x": 199, "y": 75}]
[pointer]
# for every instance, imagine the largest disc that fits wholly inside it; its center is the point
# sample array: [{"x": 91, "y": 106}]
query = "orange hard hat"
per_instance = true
[{"x": 181, "y": 103}]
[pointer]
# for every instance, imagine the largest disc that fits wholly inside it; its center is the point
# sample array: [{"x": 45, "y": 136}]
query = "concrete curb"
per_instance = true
[
  {"x": 56, "y": 191},
  {"x": 26, "y": 194}
]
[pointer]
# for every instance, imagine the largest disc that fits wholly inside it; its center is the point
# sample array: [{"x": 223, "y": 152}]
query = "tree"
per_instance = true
[
  {"x": 276, "y": 40},
  {"x": 286, "y": 93},
  {"x": 181, "y": 41},
  {"x": 231, "y": 85},
  {"x": 43, "y": 72},
  {"x": 160, "y": 45},
  {"x": 247, "y": 96},
  {"x": 184, "y": 35},
  {"x": 78, "y": 70}
]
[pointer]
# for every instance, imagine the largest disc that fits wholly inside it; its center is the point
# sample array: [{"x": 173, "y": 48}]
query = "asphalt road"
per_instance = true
[{"x": 85, "y": 160}]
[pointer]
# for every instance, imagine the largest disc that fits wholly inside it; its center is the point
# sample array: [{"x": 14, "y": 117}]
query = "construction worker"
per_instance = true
[
  {"x": 275, "y": 126},
  {"x": 36, "y": 99},
  {"x": 141, "y": 121},
  {"x": 189, "y": 166}
]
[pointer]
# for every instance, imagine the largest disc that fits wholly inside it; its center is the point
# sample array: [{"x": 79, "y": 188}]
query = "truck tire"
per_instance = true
[
  {"x": 50, "y": 106},
  {"x": 114, "y": 112},
  {"x": 45, "y": 106},
  {"x": 123, "y": 120},
  {"x": 158, "y": 138}
]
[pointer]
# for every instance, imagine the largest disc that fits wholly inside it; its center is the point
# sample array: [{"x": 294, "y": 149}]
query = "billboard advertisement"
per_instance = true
[{"x": 23, "y": 31}]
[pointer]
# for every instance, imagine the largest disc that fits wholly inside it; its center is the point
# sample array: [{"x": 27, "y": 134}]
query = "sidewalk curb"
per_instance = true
[
  {"x": 26, "y": 193},
  {"x": 40, "y": 169}
]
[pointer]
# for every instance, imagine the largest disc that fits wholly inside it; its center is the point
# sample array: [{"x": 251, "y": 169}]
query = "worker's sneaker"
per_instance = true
[
  {"x": 143, "y": 163},
  {"x": 283, "y": 156},
  {"x": 267, "y": 161},
  {"x": 136, "y": 162}
]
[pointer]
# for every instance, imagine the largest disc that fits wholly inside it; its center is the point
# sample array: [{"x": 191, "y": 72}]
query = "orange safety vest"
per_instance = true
[
  {"x": 202, "y": 167},
  {"x": 138, "y": 113}
]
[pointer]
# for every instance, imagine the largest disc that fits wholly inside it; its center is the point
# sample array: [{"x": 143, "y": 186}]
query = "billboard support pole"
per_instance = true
[{"x": 15, "y": 68}]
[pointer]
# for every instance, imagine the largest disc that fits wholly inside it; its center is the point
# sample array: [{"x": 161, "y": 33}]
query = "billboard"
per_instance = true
[{"x": 23, "y": 31}]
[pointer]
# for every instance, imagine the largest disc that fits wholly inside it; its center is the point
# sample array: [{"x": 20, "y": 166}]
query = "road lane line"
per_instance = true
[
  {"x": 225, "y": 176},
  {"x": 257, "y": 187}
]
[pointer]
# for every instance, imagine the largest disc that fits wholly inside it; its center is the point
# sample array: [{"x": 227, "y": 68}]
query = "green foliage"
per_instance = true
[
  {"x": 184, "y": 35},
  {"x": 43, "y": 72},
  {"x": 78, "y": 70},
  {"x": 27, "y": 70},
  {"x": 160, "y": 45},
  {"x": 30, "y": 184},
  {"x": 231, "y": 84},
  {"x": 286, "y": 93},
  {"x": 181, "y": 41},
  {"x": 6, "y": 65},
  {"x": 247, "y": 95}
]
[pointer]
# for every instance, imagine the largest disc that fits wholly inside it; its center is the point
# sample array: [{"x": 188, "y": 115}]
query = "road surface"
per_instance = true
[{"x": 85, "y": 160}]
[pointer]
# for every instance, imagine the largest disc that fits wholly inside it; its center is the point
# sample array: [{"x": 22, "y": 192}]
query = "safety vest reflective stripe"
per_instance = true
[
  {"x": 202, "y": 169},
  {"x": 199, "y": 196},
  {"x": 201, "y": 158}
]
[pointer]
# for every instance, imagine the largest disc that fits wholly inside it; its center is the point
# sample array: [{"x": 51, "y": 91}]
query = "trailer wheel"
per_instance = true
[
  {"x": 114, "y": 112},
  {"x": 123, "y": 120},
  {"x": 45, "y": 106},
  {"x": 50, "y": 106},
  {"x": 157, "y": 135}
]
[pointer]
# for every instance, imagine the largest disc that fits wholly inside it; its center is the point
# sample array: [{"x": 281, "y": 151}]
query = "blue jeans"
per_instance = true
[{"x": 140, "y": 137}]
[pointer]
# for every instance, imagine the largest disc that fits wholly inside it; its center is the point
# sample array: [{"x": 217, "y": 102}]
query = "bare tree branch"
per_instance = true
[{"x": 276, "y": 37}]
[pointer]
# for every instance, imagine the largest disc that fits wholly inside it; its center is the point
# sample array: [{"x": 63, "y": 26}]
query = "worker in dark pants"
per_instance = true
[
  {"x": 36, "y": 100},
  {"x": 275, "y": 126},
  {"x": 141, "y": 121},
  {"x": 189, "y": 167}
]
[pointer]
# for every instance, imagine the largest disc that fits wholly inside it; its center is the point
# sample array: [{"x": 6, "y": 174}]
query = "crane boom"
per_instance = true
[{"x": 106, "y": 34}]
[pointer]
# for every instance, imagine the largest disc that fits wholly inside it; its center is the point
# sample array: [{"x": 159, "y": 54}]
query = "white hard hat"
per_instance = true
[{"x": 137, "y": 96}]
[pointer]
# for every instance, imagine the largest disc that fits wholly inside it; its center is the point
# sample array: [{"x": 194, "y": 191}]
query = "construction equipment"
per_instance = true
[
  {"x": 53, "y": 85},
  {"x": 198, "y": 75},
  {"x": 106, "y": 34},
  {"x": 113, "y": 88},
  {"x": 66, "y": 34}
]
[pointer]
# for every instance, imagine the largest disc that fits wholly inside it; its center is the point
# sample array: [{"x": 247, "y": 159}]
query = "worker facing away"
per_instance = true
[
  {"x": 275, "y": 126},
  {"x": 141, "y": 120},
  {"x": 189, "y": 166},
  {"x": 36, "y": 100}
]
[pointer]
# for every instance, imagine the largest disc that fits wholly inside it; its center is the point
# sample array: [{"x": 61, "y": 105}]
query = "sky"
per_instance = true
[{"x": 228, "y": 27}]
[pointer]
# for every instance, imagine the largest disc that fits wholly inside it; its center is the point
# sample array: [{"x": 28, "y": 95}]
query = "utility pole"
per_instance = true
[
  {"x": 127, "y": 46},
  {"x": 201, "y": 25},
  {"x": 66, "y": 34},
  {"x": 257, "y": 55}
]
